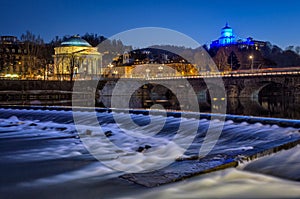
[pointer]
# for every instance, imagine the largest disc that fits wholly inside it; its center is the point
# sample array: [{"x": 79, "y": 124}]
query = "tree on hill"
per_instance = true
[
  {"x": 233, "y": 61},
  {"x": 93, "y": 39},
  {"x": 279, "y": 57},
  {"x": 297, "y": 49},
  {"x": 34, "y": 47}
]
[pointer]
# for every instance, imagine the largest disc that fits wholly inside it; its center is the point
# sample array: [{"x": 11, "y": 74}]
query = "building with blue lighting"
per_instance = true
[{"x": 228, "y": 38}]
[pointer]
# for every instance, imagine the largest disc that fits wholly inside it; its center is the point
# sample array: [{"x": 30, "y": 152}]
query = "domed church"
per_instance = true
[
  {"x": 227, "y": 37},
  {"x": 75, "y": 58}
]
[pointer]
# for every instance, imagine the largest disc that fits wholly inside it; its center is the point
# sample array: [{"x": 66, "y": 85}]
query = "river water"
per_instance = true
[
  {"x": 276, "y": 106},
  {"x": 45, "y": 155}
]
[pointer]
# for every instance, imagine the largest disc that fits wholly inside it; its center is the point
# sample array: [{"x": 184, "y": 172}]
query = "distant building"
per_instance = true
[
  {"x": 228, "y": 38},
  {"x": 8, "y": 39},
  {"x": 78, "y": 58},
  {"x": 13, "y": 57},
  {"x": 126, "y": 58}
]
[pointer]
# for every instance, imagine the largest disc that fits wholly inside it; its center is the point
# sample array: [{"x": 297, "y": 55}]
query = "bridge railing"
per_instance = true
[
  {"x": 231, "y": 74},
  {"x": 207, "y": 74}
]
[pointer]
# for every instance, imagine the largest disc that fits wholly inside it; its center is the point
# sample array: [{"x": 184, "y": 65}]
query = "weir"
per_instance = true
[{"x": 243, "y": 138}]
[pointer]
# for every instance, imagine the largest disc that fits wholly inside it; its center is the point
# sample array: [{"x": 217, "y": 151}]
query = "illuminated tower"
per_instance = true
[
  {"x": 126, "y": 57},
  {"x": 227, "y": 36}
]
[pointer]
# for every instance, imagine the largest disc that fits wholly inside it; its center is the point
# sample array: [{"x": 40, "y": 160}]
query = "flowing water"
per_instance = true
[{"x": 45, "y": 155}]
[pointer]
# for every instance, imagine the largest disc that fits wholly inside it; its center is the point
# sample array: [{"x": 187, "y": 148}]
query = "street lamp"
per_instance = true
[
  {"x": 251, "y": 57},
  {"x": 115, "y": 73},
  {"x": 160, "y": 68},
  {"x": 110, "y": 66},
  {"x": 147, "y": 72}
]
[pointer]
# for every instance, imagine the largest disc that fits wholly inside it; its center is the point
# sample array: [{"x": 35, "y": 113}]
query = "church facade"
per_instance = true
[
  {"x": 228, "y": 38},
  {"x": 75, "y": 58}
]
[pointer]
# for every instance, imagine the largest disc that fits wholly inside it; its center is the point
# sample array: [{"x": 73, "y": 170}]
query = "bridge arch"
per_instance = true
[
  {"x": 271, "y": 89},
  {"x": 260, "y": 89}
]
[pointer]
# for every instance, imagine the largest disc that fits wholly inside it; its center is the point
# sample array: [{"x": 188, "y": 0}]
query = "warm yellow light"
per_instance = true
[
  {"x": 11, "y": 75},
  {"x": 250, "y": 57}
]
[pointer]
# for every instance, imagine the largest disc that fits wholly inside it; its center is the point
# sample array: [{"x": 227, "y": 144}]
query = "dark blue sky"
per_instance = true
[{"x": 268, "y": 20}]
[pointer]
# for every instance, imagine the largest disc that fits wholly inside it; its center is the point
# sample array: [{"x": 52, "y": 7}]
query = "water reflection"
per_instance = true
[{"x": 273, "y": 106}]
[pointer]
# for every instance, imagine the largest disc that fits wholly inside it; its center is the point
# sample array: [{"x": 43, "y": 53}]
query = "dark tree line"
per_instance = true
[{"x": 282, "y": 58}]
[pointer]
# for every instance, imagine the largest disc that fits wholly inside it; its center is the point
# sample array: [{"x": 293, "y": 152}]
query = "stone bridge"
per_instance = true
[
  {"x": 160, "y": 89},
  {"x": 163, "y": 90}
]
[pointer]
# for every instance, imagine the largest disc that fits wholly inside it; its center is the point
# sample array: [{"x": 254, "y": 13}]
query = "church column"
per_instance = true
[
  {"x": 95, "y": 67},
  {"x": 89, "y": 66},
  {"x": 99, "y": 62}
]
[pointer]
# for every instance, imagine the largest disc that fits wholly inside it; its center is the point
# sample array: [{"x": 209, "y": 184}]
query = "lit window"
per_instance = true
[{"x": 13, "y": 50}]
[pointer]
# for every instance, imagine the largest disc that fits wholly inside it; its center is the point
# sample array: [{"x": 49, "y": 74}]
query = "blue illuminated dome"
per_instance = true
[
  {"x": 227, "y": 36},
  {"x": 75, "y": 41},
  {"x": 227, "y": 31}
]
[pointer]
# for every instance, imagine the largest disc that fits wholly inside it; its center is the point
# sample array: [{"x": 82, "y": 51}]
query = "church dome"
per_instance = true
[
  {"x": 227, "y": 27},
  {"x": 227, "y": 36},
  {"x": 75, "y": 41},
  {"x": 226, "y": 32}
]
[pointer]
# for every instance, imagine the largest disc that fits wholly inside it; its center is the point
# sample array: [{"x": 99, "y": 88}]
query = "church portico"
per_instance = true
[{"x": 77, "y": 59}]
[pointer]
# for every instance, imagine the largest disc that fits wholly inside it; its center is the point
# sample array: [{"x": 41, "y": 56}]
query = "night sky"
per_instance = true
[{"x": 267, "y": 20}]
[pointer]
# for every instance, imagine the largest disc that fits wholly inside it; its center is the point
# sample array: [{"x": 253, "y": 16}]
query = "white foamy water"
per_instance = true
[
  {"x": 33, "y": 131},
  {"x": 284, "y": 164},
  {"x": 39, "y": 151},
  {"x": 92, "y": 170},
  {"x": 230, "y": 183}
]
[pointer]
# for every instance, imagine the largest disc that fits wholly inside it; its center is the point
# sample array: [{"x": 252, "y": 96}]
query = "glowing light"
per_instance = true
[
  {"x": 228, "y": 38},
  {"x": 11, "y": 75}
]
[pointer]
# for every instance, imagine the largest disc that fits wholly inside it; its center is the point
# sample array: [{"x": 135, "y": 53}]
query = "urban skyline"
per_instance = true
[
  {"x": 267, "y": 21},
  {"x": 154, "y": 99}
]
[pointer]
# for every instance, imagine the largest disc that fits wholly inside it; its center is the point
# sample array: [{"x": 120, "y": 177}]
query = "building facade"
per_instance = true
[
  {"x": 229, "y": 38},
  {"x": 75, "y": 58},
  {"x": 23, "y": 59},
  {"x": 13, "y": 57}
]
